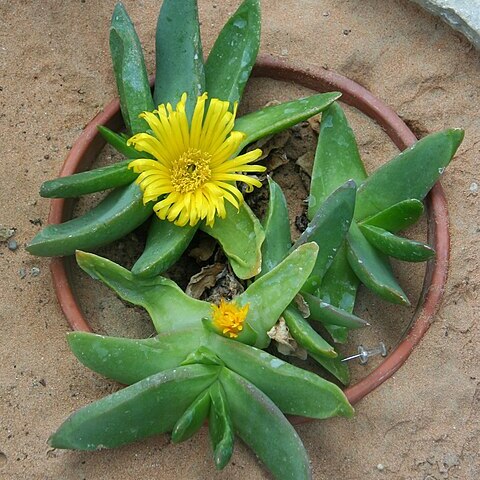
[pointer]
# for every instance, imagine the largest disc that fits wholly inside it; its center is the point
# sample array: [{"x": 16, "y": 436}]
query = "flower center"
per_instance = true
[
  {"x": 229, "y": 318},
  {"x": 191, "y": 171}
]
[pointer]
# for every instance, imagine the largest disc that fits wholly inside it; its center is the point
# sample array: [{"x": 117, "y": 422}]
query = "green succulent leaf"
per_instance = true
[
  {"x": 339, "y": 288},
  {"x": 329, "y": 315},
  {"x": 240, "y": 235},
  {"x": 166, "y": 243},
  {"x": 168, "y": 306},
  {"x": 261, "y": 425},
  {"x": 233, "y": 55},
  {"x": 179, "y": 69},
  {"x": 127, "y": 360},
  {"x": 305, "y": 335},
  {"x": 220, "y": 426},
  {"x": 329, "y": 226},
  {"x": 295, "y": 391},
  {"x": 397, "y": 217},
  {"x": 409, "y": 175},
  {"x": 193, "y": 418},
  {"x": 97, "y": 180},
  {"x": 270, "y": 120},
  {"x": 270, "y": 294},
  {"x": 118, "y": 214},
  {"x": 397, "y": 247},
  {"x": 372, "y": 268},
  {"x": 179, "y": 56},
  {"x": 275, "y": 247},
  {"x": 147, "y": 408},
  {"x": 276, "y": 225},
  {"x": 338, "y": 334},
  {"x": 335, "y": 366},
  {"x": 130, "y": 72},
  {"x": 336, "y": 158},
  {"x": 204, "y": 356}
]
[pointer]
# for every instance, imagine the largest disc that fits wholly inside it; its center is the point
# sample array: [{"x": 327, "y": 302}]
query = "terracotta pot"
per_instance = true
[{"x": 90, "y": 143}]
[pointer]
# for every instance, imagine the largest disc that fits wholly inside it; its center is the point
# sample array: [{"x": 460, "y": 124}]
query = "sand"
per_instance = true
[{"x": 56, "y": 75}]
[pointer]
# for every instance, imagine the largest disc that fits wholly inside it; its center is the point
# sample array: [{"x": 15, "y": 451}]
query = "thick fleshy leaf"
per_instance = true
[
  {"x": 336, "y": 158},
  {"x": 130, "y": 72},
  {"x": 397, "y": 247},
  {"x": 240, "y": 235},
  {"x": 147, "y": 408},
  {"x": 97, "y": 180},
  {"x": 276, "y": 225},
  {"x": 179, "y": 56},
  {"x": 118, "y": 214},
  {"x": 329, "y": 315},
  {"x": 338, "y": 334},
  {"x": 268, "y": 296},
  {"x": 305, "y": 335},
  {"x": 261, "y": 425},
  {"x": 204, "y": 356},
  {"x": 127, "y": 360},
  {"x": 339, "y": 288},
  {"x": 409, "y": 175},
  {"x": 277, "y": 244},
  {"x": 372, "y": 268},
  {"x": 179, "y": 69},
  {"x": 397, "y": 217},
  {"x": 168, "y": 306},
  {"x": 329, "y": 226},
  {"x": 292, "y": 389},
  {"x": 270, "y": 120},
  {"x": 233, "y": 55},
  {"x": 336, "y": 161},
  {"x": 334, "y": 366},
  {"x": 220, "y": 426},
  {"x": 193, "y": 418},
  {"x": 166, "y": 243}
]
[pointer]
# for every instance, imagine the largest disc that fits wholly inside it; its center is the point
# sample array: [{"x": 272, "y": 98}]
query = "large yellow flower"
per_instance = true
[{"x": 194, "y": 169}]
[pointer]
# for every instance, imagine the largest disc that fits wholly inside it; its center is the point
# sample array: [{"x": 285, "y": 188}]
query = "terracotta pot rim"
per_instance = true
[{"x": 89, "y": 143}]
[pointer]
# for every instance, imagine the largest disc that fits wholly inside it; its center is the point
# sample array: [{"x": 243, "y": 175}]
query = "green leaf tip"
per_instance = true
[{"x": 411, "y": 174}]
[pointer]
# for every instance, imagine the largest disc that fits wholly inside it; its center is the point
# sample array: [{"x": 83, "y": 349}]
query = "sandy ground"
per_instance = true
[{"x": 56, "y": 74}]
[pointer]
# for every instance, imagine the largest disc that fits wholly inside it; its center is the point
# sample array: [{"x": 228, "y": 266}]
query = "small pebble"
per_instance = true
[
  {"x": 380, "y": 467},
  {"x": 347, "y": 31},
  {"x": 326, "y": 14},
  {"x": 35, "y": 271},
  {"x": 12, "y": 245},
  {"x": 474, "y": 187},
  {"x": 23, "y": 273}
]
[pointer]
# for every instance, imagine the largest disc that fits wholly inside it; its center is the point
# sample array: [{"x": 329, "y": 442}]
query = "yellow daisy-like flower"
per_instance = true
[
  {"x": 229, "y": 318},
  {"x": 194, "y": 169}
]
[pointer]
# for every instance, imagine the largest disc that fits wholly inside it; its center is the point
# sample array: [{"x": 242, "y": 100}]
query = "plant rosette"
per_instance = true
[{"x": 186, "y": 156}]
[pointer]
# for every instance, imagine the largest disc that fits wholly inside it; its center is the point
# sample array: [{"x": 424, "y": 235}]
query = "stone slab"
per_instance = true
[{"x": 461, "y": 15}]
